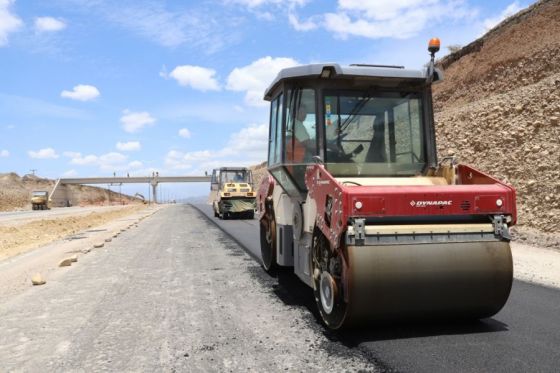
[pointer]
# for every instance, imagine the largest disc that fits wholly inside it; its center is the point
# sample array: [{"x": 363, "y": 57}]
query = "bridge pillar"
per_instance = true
[{"x": 154, "y": 191}]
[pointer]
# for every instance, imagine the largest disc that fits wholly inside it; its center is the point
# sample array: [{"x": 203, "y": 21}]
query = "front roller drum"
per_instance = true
[{"x": 469, "y": 280}]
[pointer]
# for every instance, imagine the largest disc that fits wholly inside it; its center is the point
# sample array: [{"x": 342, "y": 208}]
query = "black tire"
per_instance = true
[
  {"x": 251, "y": 215},
  {"x": 268, "y": 245}
]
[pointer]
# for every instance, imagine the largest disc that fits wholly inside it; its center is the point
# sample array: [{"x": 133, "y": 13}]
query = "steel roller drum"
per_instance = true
[{"x": 446, "y": 280}]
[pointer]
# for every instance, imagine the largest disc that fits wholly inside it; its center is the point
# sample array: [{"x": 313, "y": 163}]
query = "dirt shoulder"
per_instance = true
[
  {"x": 24, "y": 237},
  {"x": 16, "y": 271},
  {"x": 536, "y": 264}
]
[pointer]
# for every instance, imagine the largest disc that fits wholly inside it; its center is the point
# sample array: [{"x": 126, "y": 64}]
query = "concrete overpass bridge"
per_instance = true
[{"x": 60, "y": 197}]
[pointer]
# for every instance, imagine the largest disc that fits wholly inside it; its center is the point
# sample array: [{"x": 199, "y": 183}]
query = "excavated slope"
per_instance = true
[{"x": 498, "y": 109}]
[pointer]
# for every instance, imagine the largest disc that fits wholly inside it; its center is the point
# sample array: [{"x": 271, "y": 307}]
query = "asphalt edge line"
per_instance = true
[{"x": 206, "y": 217}]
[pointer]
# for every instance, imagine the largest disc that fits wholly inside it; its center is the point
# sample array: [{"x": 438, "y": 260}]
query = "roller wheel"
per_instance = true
[
  {"x": 268, "y": 244},
  {"x": 327, "y": 288}
]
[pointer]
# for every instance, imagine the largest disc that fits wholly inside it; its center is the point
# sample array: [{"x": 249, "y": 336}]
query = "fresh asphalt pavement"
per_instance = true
[{"x": 523, "y": 337}]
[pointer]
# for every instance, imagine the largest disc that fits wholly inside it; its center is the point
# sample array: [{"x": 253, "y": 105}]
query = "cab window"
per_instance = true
[
  {"x": 275, "y": 145},
  {"x": 301, "y": 133}
]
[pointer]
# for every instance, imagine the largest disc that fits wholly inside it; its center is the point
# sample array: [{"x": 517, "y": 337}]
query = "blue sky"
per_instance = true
[{"x": 92, "y": 87}]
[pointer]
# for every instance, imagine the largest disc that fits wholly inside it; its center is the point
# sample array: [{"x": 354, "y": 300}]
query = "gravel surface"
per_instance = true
[{"x": 176, "y": 294}]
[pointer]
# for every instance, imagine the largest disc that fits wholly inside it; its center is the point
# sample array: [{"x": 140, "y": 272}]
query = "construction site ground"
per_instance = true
[
  {"x": 24, "y": 231},
  {"x": 179, "y": 290}
]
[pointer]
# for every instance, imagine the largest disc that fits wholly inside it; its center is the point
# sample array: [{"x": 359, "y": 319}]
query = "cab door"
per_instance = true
[{"x": 215, "y": 180}]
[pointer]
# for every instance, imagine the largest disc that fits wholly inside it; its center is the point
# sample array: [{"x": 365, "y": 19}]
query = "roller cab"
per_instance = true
[{"x": 359, "y": 205}]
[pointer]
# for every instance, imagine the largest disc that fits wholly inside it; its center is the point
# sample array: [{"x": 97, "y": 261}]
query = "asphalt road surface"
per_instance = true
[{"x": 523, "y": 337}]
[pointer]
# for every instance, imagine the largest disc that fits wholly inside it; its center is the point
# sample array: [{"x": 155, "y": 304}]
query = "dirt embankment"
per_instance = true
[
  {"x": 259, "y": 173},
  {"x": 15, "y": 192},
  {"x": 499, "y": 110}
]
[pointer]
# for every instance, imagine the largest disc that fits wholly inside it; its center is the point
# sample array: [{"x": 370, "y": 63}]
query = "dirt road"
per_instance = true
[
  {"x": 175, "y": 294},
  {"x": 19, "y": 217}
]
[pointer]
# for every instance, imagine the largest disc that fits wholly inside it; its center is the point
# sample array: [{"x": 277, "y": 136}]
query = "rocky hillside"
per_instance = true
[
  {"x": 499, "y": 109},
  {"x": 259, "y": 172},
  {"x": 15, "y": 192}
]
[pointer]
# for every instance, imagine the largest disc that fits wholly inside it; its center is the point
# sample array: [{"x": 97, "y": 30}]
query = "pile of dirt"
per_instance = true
[
  {"x": 12, "y": 192},
  {"x": 498, "y": 109},
  {"x": 15, "y": 192}
]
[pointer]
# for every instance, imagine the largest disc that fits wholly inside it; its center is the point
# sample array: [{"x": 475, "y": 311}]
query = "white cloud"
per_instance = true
[
  {"x": 9, "y": 22},
  {"x": 108, "y": 162},
  {"x": 199, "y": 156},
  {"x": 4, "y": 153},
  {"x": 391, "y": 18},
  {"x": 32, "y": 108},
  {"x": 511, "y": 9},
  {"x": 49, "y": 24},
  {"x": 268, "y": 3},
  {"x": 46, "y": 153},
  {"x": 135, "y": 165},
  {"x": 196, "y": 24},
  {"x": 197, "y": 77},
  {"x": 78, "y": 159},
  {"x": 112, "y": 158},
  {"x": 245, "y": 147},
  {"x": 298, "y": 25},
  {"x": 253, "y": 79},
  {"x": 128, "y": 146},
  {"x": 135, "y": 121},
  {"x": 371, "y": 19},
  {"x": 185, "y": 133},
  {"x": 81, "y": 92},
  {"x": 70, "y": 173},
  {"x": 175, "y": 160},
  {"x": 251, "y": 141}
]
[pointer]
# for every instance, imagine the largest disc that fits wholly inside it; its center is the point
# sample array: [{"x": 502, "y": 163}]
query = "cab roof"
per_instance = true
[
  {"x": 366, "y": 71},
  {"x": 234, "y": 169}
]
